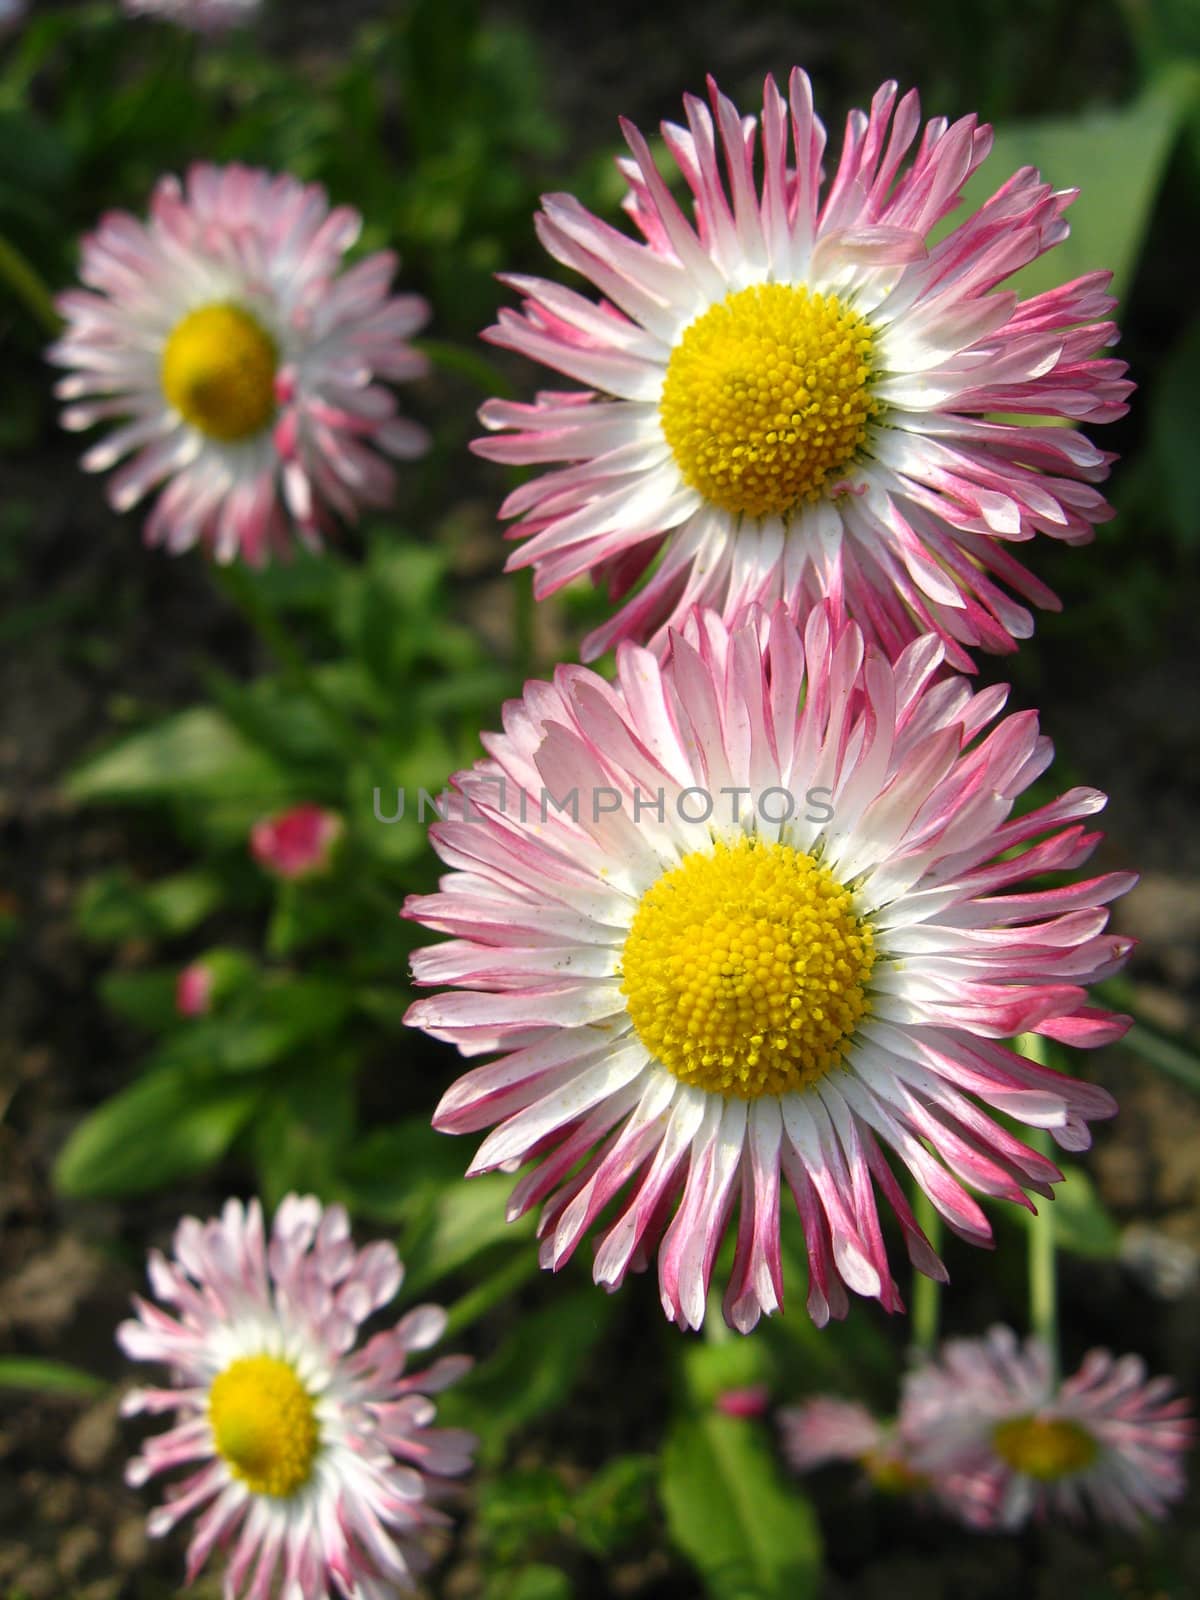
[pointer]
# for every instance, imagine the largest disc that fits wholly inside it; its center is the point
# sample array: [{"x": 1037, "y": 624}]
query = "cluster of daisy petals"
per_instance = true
[{"x": 987, "y": 1434}]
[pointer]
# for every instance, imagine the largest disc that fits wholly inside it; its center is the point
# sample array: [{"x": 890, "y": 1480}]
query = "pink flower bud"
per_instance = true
[
  {"x": 748, "y": 1402},
  {"x": 193, "y": 990},
  {"x": 297, "y": 843}
]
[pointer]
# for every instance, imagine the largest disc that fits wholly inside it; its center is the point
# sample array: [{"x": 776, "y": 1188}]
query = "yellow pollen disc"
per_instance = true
[
  {"x": 1045, "y": 1447},
  {"x": 218, "y": 371},
  {"x": 264, "y": 1425},
  {"x": 744, "y": 971},
  {"x": 766, "y": 396}
]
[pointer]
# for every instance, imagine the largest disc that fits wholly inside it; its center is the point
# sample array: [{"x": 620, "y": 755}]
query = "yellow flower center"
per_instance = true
[
  {"x": 766, "y": 396},
  {"x": 1045, "y": 1447},
  {"x": 744, "y": 971},
  {"x": 218, "y": 371},
  {"x": 264, "y": 1425}
]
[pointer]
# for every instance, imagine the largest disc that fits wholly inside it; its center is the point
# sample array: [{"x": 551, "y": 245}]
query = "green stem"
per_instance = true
[
  {"x": 505, "y": 1281},
  {"x": 248, "y": 598},
  {"x": 26, "y": 284},
  {"x": 1043, "y": 1271},
  {"x": 467, "y": 364},
  {"x": 926, "y": 1292}
]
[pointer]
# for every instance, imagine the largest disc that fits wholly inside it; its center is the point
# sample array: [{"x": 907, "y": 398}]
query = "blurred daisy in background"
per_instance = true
[
  {"x": 1004, "y": 1441},
  {"x": 780, "y": 927},
  {"x": 308, "y": 1458},
  {"x": 826, "y": 1429},
  {"x": 793, "y": 393},
  {"x": 240, "y": 362}
]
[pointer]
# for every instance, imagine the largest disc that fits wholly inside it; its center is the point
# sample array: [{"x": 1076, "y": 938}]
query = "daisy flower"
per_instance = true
[
  {"x": 1004, "y": 1441},
  {"x": 792, "y": 393},
  {"x": 312, "y": 1459},
  {"x": 203, "y": 16},
  {"x": 827, "y": 1429},
  {"x": 241, "y": 361},
  {"x": 740, "y": 920}
]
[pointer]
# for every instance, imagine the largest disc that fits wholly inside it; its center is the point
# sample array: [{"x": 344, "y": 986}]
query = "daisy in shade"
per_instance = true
[
  {"x": 827, "y": 1429},
  {"x": 204, "y": 16},
  {"x": 1003, "y": 1440},
  {"x": 241, "y": 362},
  {"x": 770, "y": 936},
  {"x": 312, "y": 1461},
  {"x": 789, "y": 394}
]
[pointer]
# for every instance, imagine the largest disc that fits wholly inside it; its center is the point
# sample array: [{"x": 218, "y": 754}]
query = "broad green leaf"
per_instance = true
[
  {"x": 47, "y": 1377},
  {"x": 750, "y": 1536},
  {"x": 195, "y": 754},
  {"x": 165, "y": 1126},
  {"x": 1116, "y": 160}
]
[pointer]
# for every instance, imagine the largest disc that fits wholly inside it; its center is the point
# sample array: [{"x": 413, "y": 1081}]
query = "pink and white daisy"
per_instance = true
[
  {"x": 791, "y": 394},
  {"x": 826, "y": 1429},
  {"x": 241, "y": 362},
  {"x": 770, "y": 936},
  {"x": 1003, "y": 1440},
  {"x": 312, "y": 1461},
  {"x": 203, "y": 16}
]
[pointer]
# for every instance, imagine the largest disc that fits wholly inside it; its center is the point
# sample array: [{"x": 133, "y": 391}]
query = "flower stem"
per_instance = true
[
  {"x": 26, "y": 284},
  {"x": 248, "y": 598},
  {"x": 926, "y": 1292},
  {"x": 522, "y": 1265},
  {"x": 1043, "y": 1272}
]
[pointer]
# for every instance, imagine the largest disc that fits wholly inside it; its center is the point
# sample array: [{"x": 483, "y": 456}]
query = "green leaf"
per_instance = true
[
  {"x": 1116, "y": 160},
  {"x": 749, "y": 1535},
  {"x": 193, "y": 755},
  {"x": 145, "y": 998},
  {"x": 47, "y": 1377},
  {"x": 165, "y": 1126},
  {"x": 264, "y": 1025},
  {"x": 302, "y": 1125},
  {"x": 533, "y": 1372},
  {"x": 466, "y": 1219},
  {"x": 392, "y": 1173},
  {"x": 113, "y": 906},
  {"x": 614, "y": 1505},
  {"x": 534, "y": 1582}
]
